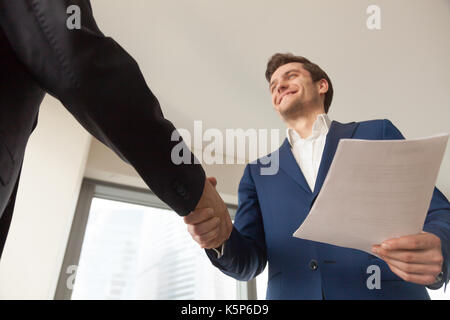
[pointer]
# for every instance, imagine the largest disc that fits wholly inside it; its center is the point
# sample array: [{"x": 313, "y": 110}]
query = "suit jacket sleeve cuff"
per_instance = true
[
  {"x": 436, "y": 230},
  {"x": 219, "y": 250}
]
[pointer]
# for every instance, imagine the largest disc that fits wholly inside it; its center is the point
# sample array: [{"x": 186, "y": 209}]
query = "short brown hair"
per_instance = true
[{"x": 279, "y": 59}]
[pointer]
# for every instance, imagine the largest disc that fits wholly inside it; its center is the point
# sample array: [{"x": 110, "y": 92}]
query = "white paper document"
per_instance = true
[{"x": 374, "y": 191}]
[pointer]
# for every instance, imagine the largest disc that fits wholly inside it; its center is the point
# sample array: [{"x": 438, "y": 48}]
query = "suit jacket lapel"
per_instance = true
[
  {"x": 337, "y": 131},
  {"x": 290, "y": 166}
]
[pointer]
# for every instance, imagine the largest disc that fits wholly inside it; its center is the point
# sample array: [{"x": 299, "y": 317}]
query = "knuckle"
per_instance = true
[
  {"x": 202, "y": 239},
  {"x": 436, "y": 271},
  {"x": 430, "y": 279},
  {"x": 436, "y": 240},
  {"x": 407, "y": 277},
  {"x": 209, "y": 212},
  {"x": 408, "y": 268},
  {"x": 213, "y": 244},
  {"x": 408, "y": 257},
  {"x": 439, "y": 259},
  {"x": 196, "y": 229},
  {"x": 210, "y": 244},
  {"x": 435, "y": 243}
]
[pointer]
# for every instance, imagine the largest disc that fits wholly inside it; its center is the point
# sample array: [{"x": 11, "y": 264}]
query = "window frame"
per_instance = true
[{"x": 90, "y": 189}]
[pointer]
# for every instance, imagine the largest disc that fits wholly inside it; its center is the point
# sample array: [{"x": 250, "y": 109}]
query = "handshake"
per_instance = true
[{"x": 210, "y": 223}]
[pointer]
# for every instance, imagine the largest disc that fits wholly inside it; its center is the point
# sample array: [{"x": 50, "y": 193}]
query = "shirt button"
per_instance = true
[{"x": 313, "y": 265}]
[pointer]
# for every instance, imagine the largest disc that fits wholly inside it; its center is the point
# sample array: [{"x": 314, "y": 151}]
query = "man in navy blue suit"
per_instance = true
[{"x": 271, "y": 207}]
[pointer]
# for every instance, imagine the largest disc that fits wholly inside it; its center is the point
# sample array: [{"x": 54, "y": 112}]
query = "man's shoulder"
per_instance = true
[
  {"x": 376, "y": 124},
  {"x": 366, "y": 123},
  {"x": 378, "y": 129}
]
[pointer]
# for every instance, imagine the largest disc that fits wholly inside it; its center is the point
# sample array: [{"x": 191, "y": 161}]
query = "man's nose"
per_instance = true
[{"x": 282, "y": 87}]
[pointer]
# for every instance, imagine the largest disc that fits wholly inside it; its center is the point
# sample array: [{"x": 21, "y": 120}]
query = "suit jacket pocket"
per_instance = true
[{"x": 6, "y": 164}]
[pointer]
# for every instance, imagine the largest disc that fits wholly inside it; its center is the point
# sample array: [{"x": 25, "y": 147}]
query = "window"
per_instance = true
[
  {"x": 125, "y": 243},
  {"x": 261, "y": 284}
]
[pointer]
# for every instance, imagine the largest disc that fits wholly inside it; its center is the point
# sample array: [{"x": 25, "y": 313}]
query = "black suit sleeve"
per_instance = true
[{"x": 103, "y": 88}]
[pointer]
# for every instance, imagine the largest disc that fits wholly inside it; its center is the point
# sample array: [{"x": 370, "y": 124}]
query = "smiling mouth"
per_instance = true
[{"x": 285, "y": 95}]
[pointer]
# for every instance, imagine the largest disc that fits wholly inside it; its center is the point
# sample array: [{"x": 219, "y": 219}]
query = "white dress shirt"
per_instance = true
[{"x": 307, "y": 152}]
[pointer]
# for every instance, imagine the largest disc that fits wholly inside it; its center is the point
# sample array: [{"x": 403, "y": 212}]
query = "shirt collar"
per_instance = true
[{"x": 320, "y": 126}]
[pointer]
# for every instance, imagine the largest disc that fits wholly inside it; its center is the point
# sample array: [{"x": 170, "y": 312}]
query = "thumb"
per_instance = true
[{"x": 213, "y": 181}]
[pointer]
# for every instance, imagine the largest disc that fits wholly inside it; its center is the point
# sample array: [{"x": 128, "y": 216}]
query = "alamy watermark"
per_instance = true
[
  {"x": 374, "y": 20},
  {"x": 74, "y": 19},
  {"x": 71, "y": 271},
  {"x": 374, "y": 280},
  {"x": 233, "y": 147}
]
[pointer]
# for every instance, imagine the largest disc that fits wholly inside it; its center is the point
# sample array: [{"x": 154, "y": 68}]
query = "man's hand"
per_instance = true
[
  {"x": 415, "y": 258},
  {"x": 210, "y": 223}
]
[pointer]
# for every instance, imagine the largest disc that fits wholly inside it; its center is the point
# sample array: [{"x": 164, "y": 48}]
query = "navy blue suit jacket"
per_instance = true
[{"x": 271, "y": 207}]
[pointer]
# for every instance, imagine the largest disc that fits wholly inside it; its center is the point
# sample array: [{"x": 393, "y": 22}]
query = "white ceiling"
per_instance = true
[{"x": 205, "y": 59}]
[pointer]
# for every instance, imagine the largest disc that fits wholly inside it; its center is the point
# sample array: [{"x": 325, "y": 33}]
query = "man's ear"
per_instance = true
[{"x": 322, "y": 86}]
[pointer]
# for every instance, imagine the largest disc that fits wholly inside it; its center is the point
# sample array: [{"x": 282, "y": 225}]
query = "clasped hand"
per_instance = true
[
  {"x": 210, "y": 223},
  {"x": 414, "y": 258}
]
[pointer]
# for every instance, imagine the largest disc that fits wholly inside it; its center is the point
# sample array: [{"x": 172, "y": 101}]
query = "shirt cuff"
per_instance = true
[{"x": 219, "y": 253}]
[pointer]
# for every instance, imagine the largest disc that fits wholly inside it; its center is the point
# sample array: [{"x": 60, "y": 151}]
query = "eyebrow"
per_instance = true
[{"x": 284, "y": 74}]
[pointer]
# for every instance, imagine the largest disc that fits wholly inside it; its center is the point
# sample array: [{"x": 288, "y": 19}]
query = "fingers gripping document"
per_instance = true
[{"x": 374, "y": 191}]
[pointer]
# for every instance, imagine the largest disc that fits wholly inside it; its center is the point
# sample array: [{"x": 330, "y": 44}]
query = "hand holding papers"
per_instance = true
[{"x": 374, "y": 191}]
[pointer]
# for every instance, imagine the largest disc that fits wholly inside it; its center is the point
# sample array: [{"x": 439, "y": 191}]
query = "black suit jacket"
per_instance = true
[{"x": 101, "y": 86}]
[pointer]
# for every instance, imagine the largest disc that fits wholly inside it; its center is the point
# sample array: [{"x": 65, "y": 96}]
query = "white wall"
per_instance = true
[{"x": 48, "y": 191}]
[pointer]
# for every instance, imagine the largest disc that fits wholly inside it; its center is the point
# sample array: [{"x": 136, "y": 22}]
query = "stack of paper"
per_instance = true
[{"x": 374, "y": 191}]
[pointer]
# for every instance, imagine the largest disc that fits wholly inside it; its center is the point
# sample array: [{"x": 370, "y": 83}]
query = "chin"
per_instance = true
[{"x": 291, "y": 108}]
